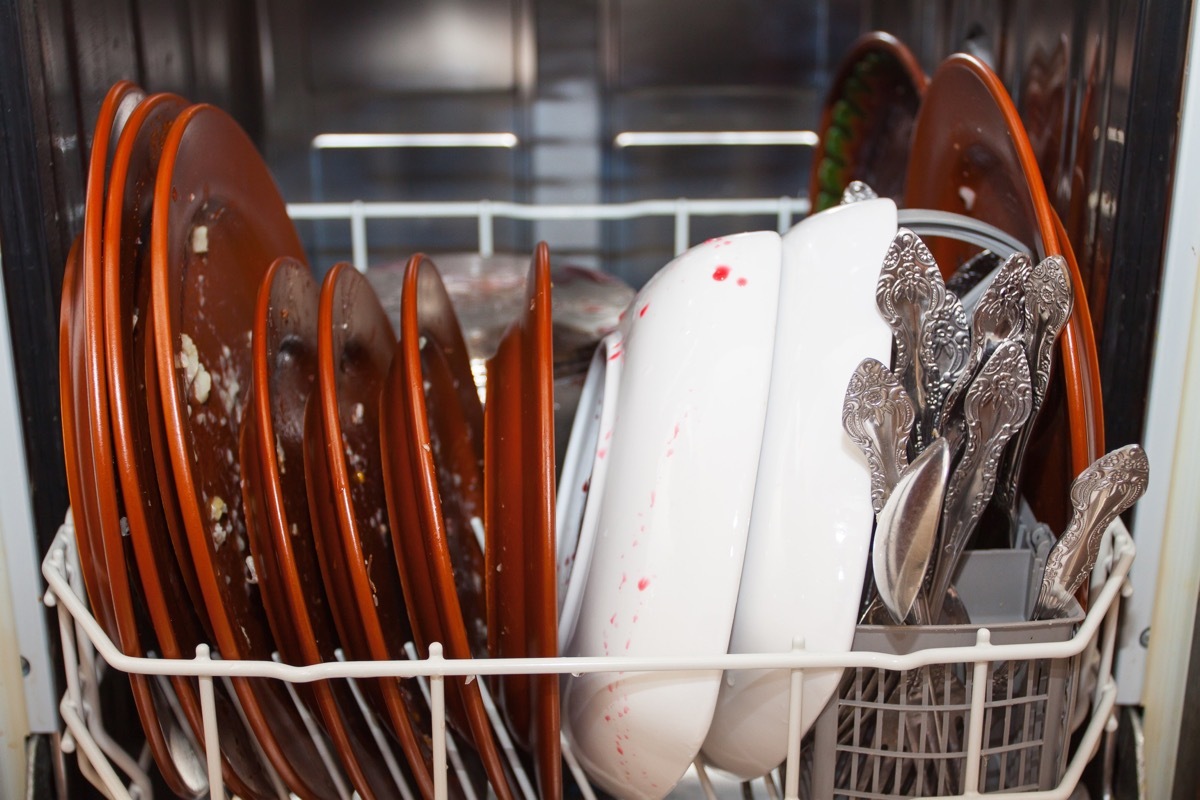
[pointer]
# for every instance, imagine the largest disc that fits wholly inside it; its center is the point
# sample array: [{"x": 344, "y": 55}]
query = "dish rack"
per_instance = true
[{"x": 1007, "y": 724}]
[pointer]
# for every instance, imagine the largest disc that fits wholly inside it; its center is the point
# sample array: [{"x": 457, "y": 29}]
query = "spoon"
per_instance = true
[
  {"x": 1108, "y": 487},
  {"x": 907, "y": 529},
  {"x": 878, "y": 416},
  {"x": 1048, "y": 300},
  {"x": 997, "y": 404},
  {"x": 928, "y": 325}
]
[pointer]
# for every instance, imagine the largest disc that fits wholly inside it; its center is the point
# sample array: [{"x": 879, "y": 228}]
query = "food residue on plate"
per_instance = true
[
  {"x": 200, "y": 239},
  {"x": 194, "y": 373}
]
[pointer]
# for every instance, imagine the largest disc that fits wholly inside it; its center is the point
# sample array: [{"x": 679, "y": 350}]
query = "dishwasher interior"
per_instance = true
[{"x": 578, "y": 103}]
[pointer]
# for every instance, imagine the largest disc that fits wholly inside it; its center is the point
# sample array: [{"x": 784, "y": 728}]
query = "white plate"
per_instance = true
[
  {"x": 674, "y": 513},
  {"x": 583, "y": 475},
  {"x": 810, "y": 530}
]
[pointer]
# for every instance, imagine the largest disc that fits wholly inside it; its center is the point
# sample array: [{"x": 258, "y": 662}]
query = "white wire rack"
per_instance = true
[
  {"x": 89, "y": 653},
  {"x": 785, "y": 210}
]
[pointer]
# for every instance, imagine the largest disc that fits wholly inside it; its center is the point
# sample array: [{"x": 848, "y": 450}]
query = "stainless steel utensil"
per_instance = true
[
  {"x": 1110, "y": 485},
  {"x": 878, "y": 416},
  {"x": 907, "y": 529},
  {"x": 928, "y": 326},
  {"x": 997, "y": 404},
  {"x": 999, "y": 315},
  {"x": 1048, "y": 300}
]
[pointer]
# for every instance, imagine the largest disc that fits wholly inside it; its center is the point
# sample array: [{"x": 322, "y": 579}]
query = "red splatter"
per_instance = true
[
  {"x": 626, "y": 709},
  {"x": 627, "y": 641},
  {"x": 602, "y": 452},
  {"x": 616, "y": 353},
  {"x": 635, "y": 616},
  {"x": 613, "y": 620},
  {"x": 608, "y": 434},
  {"x": 635, "y": 541},
  {"x": 675, "y": 435},
  {"x": 623, "y": 579},
  {"x": 670, "y": 452},
  {"x": 642, "y": 584},
  {"x": 619, "y": 750},
  {"x": 742, "y": 281},
  {"x": 642, "y": 313},
  {"x": 720, "y": 273},
  {"x": 586, "y": 484},
  {"x": 611, "y": 687},
  {"x": 607, "y": 718}
]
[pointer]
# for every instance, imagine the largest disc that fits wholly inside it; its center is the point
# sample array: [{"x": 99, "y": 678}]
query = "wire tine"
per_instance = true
[{"x": 377, "y": 734}]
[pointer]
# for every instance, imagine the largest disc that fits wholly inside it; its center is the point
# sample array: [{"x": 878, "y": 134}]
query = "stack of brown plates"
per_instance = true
[{"x": 256, "y": 463}]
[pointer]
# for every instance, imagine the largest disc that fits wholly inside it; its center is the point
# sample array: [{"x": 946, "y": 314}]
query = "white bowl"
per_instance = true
[
  {"x": 581, "y": 486},
  {"x": 810, "y": 529},
  {"x": 673, "y": 517}
]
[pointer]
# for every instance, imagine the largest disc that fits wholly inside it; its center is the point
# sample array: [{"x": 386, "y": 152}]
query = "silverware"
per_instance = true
[
  {"x": 1048, "y": 303},
  {"x": 907, "y": 529},
  {"x": 928, "y": 326},
  {"x": 878, "y": 416},
  {"x": 999, "y": 315},
  {"x": 1108, "y": 487},
  {"x": 997, "y": 404},
  {"x": 856, "y": 192}
]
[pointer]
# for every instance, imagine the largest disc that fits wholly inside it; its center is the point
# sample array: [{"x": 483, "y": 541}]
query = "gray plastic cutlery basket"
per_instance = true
[{"x": 903, "y": 733}]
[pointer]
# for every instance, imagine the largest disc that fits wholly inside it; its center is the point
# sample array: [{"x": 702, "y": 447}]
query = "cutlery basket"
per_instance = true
[
  {"x": 893, "y": 733},
  {"x": 902, "y": 733}
]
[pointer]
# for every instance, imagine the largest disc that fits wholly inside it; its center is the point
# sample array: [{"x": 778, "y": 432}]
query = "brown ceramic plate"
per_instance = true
[
  {"x": 867, "y": 121},
  {"x": 347, "y": 503},
  {"x": 277, "y": 516},
  {"x": 218, "y": 222},
  {"x": 161, "y": 584},
  {"x": 971, "y": 155},
  {"x": 178, "y": 763},
  {"x": 520, "y": 520},
  {"x": 432, "y": 427}
]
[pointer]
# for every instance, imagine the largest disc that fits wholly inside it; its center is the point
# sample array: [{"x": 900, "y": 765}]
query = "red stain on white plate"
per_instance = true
[
  {"x": 635, "y": 616},
  {"x": 613, "y": 620},
  {"x": 742, "y": 281},
  {"x": 643, "y": 583},
  {"x": 586, "y": 484},
  {"x": 720, "y": 273},
  {"x": 642, "y": 313},
  {"x": 602, "y": 452},
  {"x": 623, "y": 579}
]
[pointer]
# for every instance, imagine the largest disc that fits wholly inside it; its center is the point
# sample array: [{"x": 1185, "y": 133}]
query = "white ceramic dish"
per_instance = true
[
  {"x": 810, "y": 529},
  {"x": 583, "y": 477},
  {"x": 674, "y": 513}
]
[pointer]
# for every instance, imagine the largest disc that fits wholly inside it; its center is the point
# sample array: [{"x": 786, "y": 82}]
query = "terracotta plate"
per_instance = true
[
  {"x": 971, "y": 155},
  {"x": 218, "y": 223},
  {"x": 277, "y": 516},
  {"x": 347, "y": 504},
  {"x": 867, "y": 121},
  {"x": 522, "y": 579},
  {"x": 432, "y": 428},
  {"x": 127, "y": 321}
]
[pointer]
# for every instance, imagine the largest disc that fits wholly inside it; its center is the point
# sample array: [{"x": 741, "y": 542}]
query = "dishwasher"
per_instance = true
[{"x": 623, "y": 134}]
